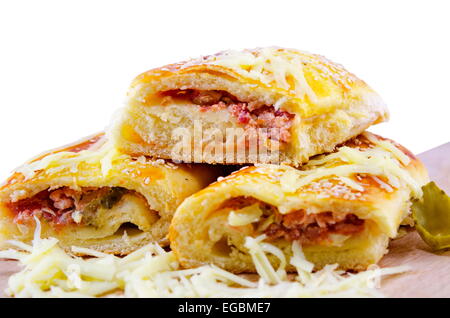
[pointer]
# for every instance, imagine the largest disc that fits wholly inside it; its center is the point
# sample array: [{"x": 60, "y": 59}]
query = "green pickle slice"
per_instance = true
[{"x": 432, "y": 217}]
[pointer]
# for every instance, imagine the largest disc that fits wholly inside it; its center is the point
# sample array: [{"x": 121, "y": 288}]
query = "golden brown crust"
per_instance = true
[{"x": 320, "y": 70}]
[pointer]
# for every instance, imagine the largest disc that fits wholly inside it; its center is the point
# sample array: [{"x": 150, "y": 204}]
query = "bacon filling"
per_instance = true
[
  {"x": 250, "y": 114},
  {"x": 57, "y": 206},
  {"x": 299, "y": 226},
  {"x": 313, "y": 228}
]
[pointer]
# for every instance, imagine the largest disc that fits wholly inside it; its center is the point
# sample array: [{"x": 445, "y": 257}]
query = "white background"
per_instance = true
[{"x": 65, "y": 65}]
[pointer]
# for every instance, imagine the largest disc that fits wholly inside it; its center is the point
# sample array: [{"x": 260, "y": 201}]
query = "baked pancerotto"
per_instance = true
[
  {"x": 90, "y": 195},
  {"x": 342, "y": 208},
  {"x": 265, "y": 105}
]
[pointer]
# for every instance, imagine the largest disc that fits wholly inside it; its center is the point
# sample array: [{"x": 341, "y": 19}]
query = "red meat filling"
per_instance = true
[{"x": 250, "y": 114}]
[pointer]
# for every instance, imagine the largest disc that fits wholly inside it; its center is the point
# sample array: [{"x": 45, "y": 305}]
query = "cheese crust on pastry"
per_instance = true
[
  {"x": 341, "y": 207},
  {"x": 265, "y": 105},
  {"x": 90, "y": 195}
]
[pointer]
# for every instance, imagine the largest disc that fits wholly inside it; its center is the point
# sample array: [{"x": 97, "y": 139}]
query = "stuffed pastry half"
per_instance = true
[
  {"x": 341, "y": 207},
  {"x": 90, "y": 195},
  {"x": 266, "y": 105}
]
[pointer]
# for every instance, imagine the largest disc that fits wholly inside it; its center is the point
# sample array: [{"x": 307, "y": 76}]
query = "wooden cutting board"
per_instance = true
[
  {"x": 429, "y": 275},
  {"x": 429, "y": 271}
]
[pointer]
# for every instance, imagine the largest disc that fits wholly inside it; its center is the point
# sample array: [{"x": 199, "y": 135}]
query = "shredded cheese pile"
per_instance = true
[{"x": 152, "y": 272}]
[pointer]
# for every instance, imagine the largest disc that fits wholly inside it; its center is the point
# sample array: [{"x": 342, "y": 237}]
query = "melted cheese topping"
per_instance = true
[
  {"x": 106, "y": 157},
  {"x": 281, "y": 68},
  {"x": 270, "y": 66},
  {"x": 59, "y": 161},
  {"x": 400, "y": 155},
  {"x": 384, "y": 159},
  {"x": 152, "y": 272}
]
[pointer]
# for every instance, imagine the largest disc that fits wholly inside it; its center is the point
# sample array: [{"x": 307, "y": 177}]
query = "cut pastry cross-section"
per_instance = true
[
  {"x": 90, "y": 195},
  {"x": 342, "y": 207},
  {"x": 266, "y": 105}
]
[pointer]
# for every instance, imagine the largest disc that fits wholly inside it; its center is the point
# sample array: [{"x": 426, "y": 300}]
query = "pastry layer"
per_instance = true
[
  {"x": 268, "y": 105},
  {"x": 90, "y": 195},
  {"x": 342, "y": 207}
]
